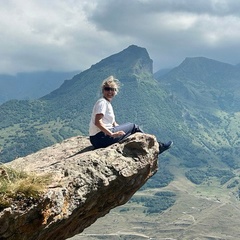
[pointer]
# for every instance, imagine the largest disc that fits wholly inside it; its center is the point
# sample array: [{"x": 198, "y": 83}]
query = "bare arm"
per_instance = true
[
  {"x": 100, "y": 125},
  {"x": 115, "y": 124}
]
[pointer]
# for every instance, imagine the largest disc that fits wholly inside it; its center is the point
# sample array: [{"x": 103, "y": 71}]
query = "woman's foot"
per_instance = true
[{"x": 164, "y": 146}]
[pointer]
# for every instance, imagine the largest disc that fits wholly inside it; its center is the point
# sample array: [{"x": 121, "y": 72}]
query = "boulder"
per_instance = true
[{"x": 85, "y": 185}]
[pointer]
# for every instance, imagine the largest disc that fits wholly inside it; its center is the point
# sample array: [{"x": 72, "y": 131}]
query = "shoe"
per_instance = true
[{"x": 164, "y": 146}]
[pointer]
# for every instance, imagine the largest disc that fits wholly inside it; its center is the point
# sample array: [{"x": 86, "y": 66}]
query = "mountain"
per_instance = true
[
  {"x": 207, "y": 92},
  {"x": 200, "y": 79},
  {"x": 31, "y": 85},
  {"x": 195, "y": 104}
]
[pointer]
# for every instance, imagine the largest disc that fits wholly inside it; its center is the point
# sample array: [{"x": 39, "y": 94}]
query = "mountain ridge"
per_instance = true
[
  {"x": 216, "y": 81},
  {"x": 131, "y": 54},
  {"x": 207, "y": 70}
]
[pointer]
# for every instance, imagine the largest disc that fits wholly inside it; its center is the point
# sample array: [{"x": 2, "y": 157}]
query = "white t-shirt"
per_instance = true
[{"x": 104, "y": 107}]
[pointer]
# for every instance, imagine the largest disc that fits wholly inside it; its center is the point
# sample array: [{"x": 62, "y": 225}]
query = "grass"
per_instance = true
[{"x": 20, "y": 186}]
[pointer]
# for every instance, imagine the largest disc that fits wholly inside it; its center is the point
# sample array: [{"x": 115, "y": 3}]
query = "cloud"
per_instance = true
[
  {"x": 173, "y": 30},
  {"x": 38, "y": 35},
  {"x": 66, "y": 35}
]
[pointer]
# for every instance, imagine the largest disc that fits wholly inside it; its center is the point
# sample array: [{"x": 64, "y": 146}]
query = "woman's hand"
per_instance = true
[
  {"x": 100, "y": 125},
  {"x": 118, "y": 134}
]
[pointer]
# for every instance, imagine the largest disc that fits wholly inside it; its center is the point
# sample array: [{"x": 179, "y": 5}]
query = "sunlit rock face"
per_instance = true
[{"x": 86, "y": 184}]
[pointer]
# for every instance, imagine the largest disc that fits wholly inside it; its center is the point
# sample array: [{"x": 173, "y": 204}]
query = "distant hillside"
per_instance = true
[
  {"x": 196, "y": 80},
  {"x": 207, "y": 93},
  {"x": 31, "y": 85}
]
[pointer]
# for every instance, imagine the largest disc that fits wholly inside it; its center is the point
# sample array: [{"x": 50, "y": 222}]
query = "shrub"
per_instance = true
[{"x": 19, "y": 185}]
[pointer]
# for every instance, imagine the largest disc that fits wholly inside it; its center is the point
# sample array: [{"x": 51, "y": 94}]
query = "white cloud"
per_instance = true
[
  {"x": 39, "y": 35},
  {"x": 74, "y": 34}
]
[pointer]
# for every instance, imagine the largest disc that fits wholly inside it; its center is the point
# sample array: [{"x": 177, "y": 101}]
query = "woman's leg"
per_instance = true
[
  {"x": 101, "y": 140},
  {"x": 128, "y": 128}
]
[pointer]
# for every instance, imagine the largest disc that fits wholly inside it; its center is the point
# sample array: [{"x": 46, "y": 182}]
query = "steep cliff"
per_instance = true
[{"x": 86, "y": 184}]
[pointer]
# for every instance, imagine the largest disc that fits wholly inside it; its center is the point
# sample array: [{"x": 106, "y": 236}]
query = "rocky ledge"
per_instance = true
[{"x": 86, "y": 184}]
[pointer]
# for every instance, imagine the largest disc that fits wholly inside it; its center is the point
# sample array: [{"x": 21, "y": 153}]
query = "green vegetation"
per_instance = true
[
  {"x": 198, "y": 176},
  {"x": 233, "y": 184},
  {"x": 157, "y": 203},
  {"x": 20, "y": 186}
]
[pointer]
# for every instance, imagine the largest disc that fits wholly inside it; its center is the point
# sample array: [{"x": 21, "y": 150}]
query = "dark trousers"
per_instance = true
[{"x": 101, "y": 140}]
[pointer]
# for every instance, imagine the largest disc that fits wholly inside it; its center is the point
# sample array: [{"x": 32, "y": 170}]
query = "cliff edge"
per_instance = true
[{"x": 85, "y": 185}]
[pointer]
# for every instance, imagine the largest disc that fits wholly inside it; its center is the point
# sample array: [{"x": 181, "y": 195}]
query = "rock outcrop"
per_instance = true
[{"x": 86, "y": 184}]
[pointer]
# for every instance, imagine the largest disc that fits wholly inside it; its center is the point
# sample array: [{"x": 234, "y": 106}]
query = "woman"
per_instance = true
[{"x": 103, "y": 128}]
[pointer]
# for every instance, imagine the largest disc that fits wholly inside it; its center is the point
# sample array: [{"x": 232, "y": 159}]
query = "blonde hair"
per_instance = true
[{"x": 111, "y": 81}]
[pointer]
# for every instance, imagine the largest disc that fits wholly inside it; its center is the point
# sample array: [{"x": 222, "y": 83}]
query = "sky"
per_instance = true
[{"x": 69, "y": 35}]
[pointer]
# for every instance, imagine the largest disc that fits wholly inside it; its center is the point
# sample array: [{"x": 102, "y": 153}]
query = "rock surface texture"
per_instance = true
[{"x": 86, "y": 184}]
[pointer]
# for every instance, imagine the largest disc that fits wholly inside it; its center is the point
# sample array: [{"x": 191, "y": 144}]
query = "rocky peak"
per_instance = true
[
  {"x": 134, "y": 59},
  {"x": 86, "y": 184}
]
